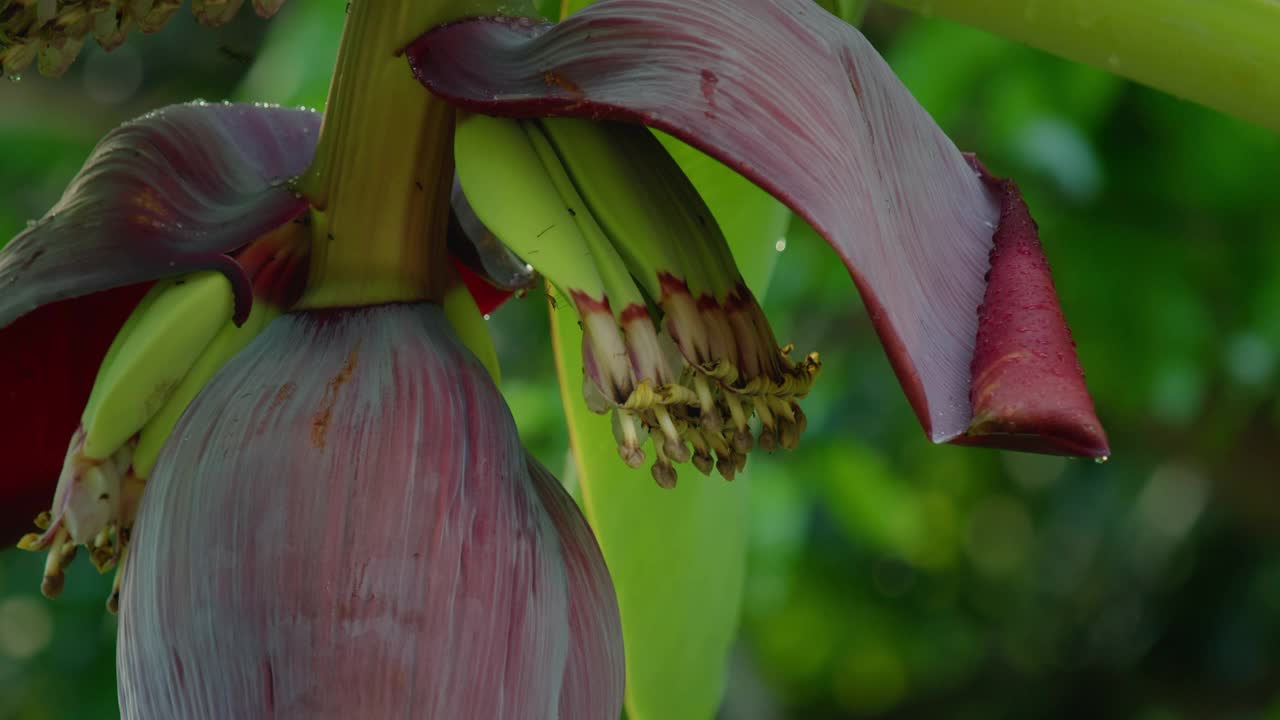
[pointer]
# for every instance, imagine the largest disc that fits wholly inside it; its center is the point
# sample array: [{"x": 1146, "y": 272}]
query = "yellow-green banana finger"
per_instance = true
[
  {"x": 228, "y": 342},
  {"x": 511, "y": 193},
  {"x": 151, "y": 355}
]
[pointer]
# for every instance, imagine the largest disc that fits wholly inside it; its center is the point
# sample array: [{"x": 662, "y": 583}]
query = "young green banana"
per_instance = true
[
  {"x": 508, "y": 187},
  {"x": 99, "y": 488},
  {"x": 159, "y": 343},
  {"x": 228, "y": 342}
]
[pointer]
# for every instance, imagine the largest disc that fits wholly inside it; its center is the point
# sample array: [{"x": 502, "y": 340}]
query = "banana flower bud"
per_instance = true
[{"x": 373, "y": 542}]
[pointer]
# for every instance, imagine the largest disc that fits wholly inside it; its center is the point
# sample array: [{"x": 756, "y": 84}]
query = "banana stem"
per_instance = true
[
  {"x": 383, "y": 168},
  {"x": 1223, "y": 54}
]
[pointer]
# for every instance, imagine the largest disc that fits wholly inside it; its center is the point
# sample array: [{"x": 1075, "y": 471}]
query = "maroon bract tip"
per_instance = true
[{"x": 1028, "y": 390}]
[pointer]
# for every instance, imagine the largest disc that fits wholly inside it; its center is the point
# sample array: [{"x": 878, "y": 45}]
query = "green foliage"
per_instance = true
[{"x": 851, "y": 11}]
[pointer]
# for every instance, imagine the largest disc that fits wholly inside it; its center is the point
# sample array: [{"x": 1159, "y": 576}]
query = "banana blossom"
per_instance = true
[{"x": 338, "y": 518}]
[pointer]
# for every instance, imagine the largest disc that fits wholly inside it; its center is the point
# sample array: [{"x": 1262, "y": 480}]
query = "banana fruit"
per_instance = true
[
  {"x": 226, "y": 344},
  {"x": 158, "y": 344},
  {"x": 177, "y": 338},
  {"x": 673, "y": 340}
]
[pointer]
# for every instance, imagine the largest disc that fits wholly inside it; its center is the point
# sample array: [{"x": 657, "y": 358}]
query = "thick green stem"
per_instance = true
[
  {"x": 1221, "y": 53},
  {"x": 383, "y": 168}
]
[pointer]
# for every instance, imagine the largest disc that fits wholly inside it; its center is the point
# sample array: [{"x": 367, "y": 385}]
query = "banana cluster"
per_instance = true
[
  {"x": 674, "y": 343},
  {"x": 173, "y": 343},
  {"x": 178, "y": 337},
  {"x": 52, "y": 32}
]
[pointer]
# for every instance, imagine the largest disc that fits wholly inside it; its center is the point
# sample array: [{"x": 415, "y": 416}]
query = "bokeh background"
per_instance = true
[{"x": 887, "y": 577}]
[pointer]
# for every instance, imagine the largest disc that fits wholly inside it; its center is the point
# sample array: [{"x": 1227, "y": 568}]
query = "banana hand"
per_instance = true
[{"x": 153, "y": 352}]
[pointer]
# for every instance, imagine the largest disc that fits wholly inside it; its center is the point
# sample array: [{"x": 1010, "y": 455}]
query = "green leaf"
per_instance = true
[
  {"x": 851, "y": 11},
  {"x": 569, "y": 7},
  {"x": 677, "y": 557},
  {"x": 296, "y": 61},
  {"x": 753, "y": 222}
]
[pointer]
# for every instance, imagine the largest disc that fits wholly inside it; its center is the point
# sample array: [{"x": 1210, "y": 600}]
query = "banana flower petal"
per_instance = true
[
  {"x": 181, "y": 189},
  {"x": 49, "y": 359},
  {"x": 171, "y": 192},
  {"x": 800, "y": 103},
  {"x": 373, "y": 541}
]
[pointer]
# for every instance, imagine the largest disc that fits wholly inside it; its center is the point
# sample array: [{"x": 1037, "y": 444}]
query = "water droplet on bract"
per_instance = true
[
  {"x": 487, "y": 316},
  {"x": 780, "y": 245},
  {"x": 1102, "y": 460},
  {"x": 15, "y": 78}
]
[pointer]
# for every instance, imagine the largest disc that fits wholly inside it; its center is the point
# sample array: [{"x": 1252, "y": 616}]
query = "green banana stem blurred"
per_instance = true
[
  {"x": 1223, "y": 54},
  {"x": 383, "y": 168}
]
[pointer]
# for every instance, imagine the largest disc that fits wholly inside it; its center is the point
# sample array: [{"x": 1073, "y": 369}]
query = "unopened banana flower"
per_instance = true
[{"x": 279, "y": 402}]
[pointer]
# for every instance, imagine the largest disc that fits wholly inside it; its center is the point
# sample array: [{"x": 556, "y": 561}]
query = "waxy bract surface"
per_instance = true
[
  {"x": 800, "y": 103},
  {"x": 345, "y": 524}
]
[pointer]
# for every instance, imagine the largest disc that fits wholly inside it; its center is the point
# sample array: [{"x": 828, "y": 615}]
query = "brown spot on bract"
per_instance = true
[
  {"x": 555, "y": 79},
  {"x": 320, "y": 427},
  {"x": 283, "y": 394},
  {"x": 709, "y": 81},
  {"x": 320, "y": 423}
]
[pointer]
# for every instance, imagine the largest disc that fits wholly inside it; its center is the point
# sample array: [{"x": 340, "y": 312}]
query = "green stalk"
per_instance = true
[
  {"x": 383, "y": 167},
  {"x": 1221, "y": 53}
]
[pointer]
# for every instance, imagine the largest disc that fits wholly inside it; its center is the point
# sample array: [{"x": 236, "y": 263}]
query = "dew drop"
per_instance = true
[
  {"x": 15, "y": 78},
  {"x": 780, "y": 245},
  {"x": 1113, "y": 60},
  {"x": 1102, "y": 460}
]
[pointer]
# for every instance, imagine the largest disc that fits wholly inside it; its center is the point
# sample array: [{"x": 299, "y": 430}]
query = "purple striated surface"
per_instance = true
[
  {"x": 593, "y": 677},
  {"x": 170, "y": 192},
  {"x": 345, "y": 525},
  {"x": 796, "y": 101},
  {"x": 801, "y": 104}
]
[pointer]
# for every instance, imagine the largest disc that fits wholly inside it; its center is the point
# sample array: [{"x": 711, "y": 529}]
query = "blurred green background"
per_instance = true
[{"x": 887, "y": 577}]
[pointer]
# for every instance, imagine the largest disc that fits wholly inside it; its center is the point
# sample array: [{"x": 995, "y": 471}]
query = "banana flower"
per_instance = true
[{"x": 239, "y": 346}]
